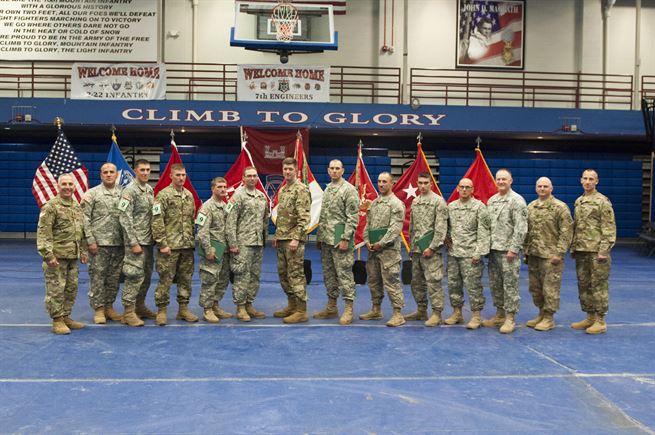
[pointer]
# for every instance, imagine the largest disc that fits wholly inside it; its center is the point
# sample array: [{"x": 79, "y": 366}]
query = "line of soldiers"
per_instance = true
[{"x": 124, "y": 231}]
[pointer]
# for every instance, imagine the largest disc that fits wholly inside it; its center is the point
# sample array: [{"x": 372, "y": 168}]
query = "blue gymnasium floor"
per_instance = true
[{"x": 319, "y": 377}]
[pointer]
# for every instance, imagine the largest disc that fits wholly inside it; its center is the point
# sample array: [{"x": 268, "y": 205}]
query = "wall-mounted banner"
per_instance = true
[
  {"x": 87, "y": 30},
  {"x": 302, "y": 83},
  {"x": 118, "y": 81}
]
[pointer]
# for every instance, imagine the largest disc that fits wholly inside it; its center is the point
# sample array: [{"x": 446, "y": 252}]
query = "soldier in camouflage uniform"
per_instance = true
[
  {"x": 428, "y": 219},
  {"x": 104, "y": 237},
  {"x": 214, "y": 270},
  {"x": 508, "y": 214},
  {"x": 468, "y": 241},
  {"x": 135, "y": 218},
  {"x": 172, "y": 228},
  {"x": 549, "y": 236},
  {"x": 335, "y": 238},
  {"x": 60, "y": 241},
  {"x": 387, "y": 212},
  {"x": 594, "y": 235},
  {"x": 294, "y": 203},
  {"x": 247, "y": 225}
]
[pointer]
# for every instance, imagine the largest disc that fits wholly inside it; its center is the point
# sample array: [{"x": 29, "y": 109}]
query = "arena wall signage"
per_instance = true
[
  {"x": 120, "y": 81},
  {"x": 302, "y": 83}
]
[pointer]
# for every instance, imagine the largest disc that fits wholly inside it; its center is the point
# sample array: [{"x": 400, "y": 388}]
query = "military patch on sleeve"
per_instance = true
[
  {"x": 156, "y": 209},
  {"x": 229, "y": 206},
  {"x": 201, "y": 219},
  {"x": 123, "y": 203}
]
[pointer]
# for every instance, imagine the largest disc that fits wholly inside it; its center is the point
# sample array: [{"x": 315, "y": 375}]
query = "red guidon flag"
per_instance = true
[
  {"x": 484, "y": 184},
  {"x": 234, "y": 176},
  {"x": 268, "y": 147},
  {"x": 366, "y": 192},
  {"x": 165, "y": 177}
]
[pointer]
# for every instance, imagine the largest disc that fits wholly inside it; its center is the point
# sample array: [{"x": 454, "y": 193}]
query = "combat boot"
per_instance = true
[
  {"x": 221, "y": 313},
  {"x": 599, "y": 326},
  {"x": 111, "y": 314},
  {"x": 99, "y": 316},
  {"x": 586, "y": 323},
  {"x": 508, "y": 325},
  {"x": 289, "y": 309},
  {"x": 300, "y": 315},
  {"x": 475, "y": 322},
  {"x": 253, "y": 313},
  {"x": 533, "y": 322},
  {"x": 434, "y": 320},
  {"x": 183, "y": 313},
  {"x": 547, "y": 323},
  {"x": 456, "y": 317},
  {"x": 142, "y": 310},
  {"x": 397, "y": 319},
  {"x": 73, "y": 324},
  {"x": 374, "y": 314},
  {"x": 59, "y": 327},
  {"x": 130, "y": 318},
  {"x": 210, "y": 316},
  {"x": 347, "y": 316},
  {"x": 242, "y": 314},
  {"x": 421, "y": 313},
  {"x": 329, "y": 312},
  {"x": 497, "y": 320},
  {"x": 160, "y": 318}
]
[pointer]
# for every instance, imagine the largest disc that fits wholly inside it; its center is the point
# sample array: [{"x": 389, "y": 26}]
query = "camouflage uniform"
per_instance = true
[
  {"x": 468, "y": 229},
  {"x": 102, "y": 227},
  {"x": 594, "y": 234},
  {"x": 383, "y": 267},
  {"x": 214, "y": 275},
  {"x": 60, "y": 235},
  {"x": 509, "y": 223},
  {"x": 136, "y": 220},
  {"x": 428, "y": 213},
  {"x": 549, "y": 234},
  {"x": 340, "y": 206},
  {"x": 172, "y": 226},
  {"x": 294, "y": 203}
]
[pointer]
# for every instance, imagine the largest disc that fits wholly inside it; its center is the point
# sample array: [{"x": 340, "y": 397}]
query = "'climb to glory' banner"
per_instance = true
[{"x": 302, "y": 83}]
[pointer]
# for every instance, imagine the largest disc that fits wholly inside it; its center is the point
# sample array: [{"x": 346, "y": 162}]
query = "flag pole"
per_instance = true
[
  {"x": 478, "y": 141},
  {"x": 58, "y": 122}
]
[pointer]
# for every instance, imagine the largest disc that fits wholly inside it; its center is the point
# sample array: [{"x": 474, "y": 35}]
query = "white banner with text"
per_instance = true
[
  {"x": 119, "y": 81},
  {"x": 301, "y": 83}
]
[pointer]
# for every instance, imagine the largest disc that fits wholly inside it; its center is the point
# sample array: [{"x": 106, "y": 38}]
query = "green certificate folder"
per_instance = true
[
  {"x": 338, "y": 234},
  {"x": 376, "y": 234},
  {"x": 424, "y": 242},
  {"x": 219, "y": 249}
]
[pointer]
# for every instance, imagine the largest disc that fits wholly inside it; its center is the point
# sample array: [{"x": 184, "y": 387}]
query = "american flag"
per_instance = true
[{"x": 61, "y": 160}]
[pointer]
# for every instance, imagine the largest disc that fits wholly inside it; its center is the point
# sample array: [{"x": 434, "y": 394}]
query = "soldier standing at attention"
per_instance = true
[
  {"x": 468, "y": 241},
  {"x": 508, "y": 214},
  {"x": 172, "y": 228},
  {"x": 294, "y": 203},
  {"x": 549, "y": 236},
  {"x": 384, "y": 222},
  {"x": 136, "y": 220},
  {"x": 594, "y": 235},
  {"x": 214, "y": 266},
  {"x": 335, "y": 238},
  {"x": 104, "y": 237},
  {"x": 60, "y": 241},
  {"x": 428, "y": 223},
  {"x": 247, "y": 225}
]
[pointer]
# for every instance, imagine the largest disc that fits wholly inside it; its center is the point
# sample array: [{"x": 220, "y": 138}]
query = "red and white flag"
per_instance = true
[
  {"x": 165, "y": 177},
  {"x": 234, "y": 176},
  {"x": 61, "y": 160},
  {"x": 484, "y": 184},
  {"x": 366, "y": 193}
]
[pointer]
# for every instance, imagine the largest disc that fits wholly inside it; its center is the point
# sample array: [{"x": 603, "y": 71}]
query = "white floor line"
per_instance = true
[{"x": 299, "y": 325}]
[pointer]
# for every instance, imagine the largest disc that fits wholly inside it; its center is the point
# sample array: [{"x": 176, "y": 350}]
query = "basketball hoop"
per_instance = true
[{"x": 285, "y": 18}]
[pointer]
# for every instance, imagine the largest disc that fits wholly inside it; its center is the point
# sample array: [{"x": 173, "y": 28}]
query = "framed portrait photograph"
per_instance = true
[{"x": 490, "y": 34}]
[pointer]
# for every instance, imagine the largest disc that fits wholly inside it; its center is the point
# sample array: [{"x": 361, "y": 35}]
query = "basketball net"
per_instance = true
[{"x": 284, "y": 17}]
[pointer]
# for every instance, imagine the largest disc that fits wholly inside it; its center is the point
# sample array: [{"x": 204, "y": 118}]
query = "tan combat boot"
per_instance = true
[
  {"x": 99, "y": 316},
  {"x": 508, "y": 325},
  {"x": 253, "y": 313},
  {"x": 161, "y": 318},
  {"x": 183, "y": 313},
  {"x": 289, "y": 309},
  {"x": 329, "y": 312},
  {"x": 456, "y": 317},
  {"x": 242, "y": 314},
  {"x": 374, "y": 314},
  {"x": 112, "y": 314},
  {"x": 547, "y": 323},
  {"x": 497, "y": 320},
  {"x": 59, "y": 327},
  {"x": 210, "y": 316},
  {"x": 300, "y": 315},
  {"x": 73, "y": 324},
  {"x": 475, "y": 322},
  {"x": 533, "y": 322},
  {"x": 434, "y": 320},
  {"x": 221, "y": 313},
  {"x": 599, "y": 326},
  {"x": 421, "y": 313},
  {"x": 397, "y": 319},
  {"x": 347, "y": 316},
  {"x": 130, "y": 318},
  {"x": 142, "y": 310},
  {"x": 586, "y": 323}
]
